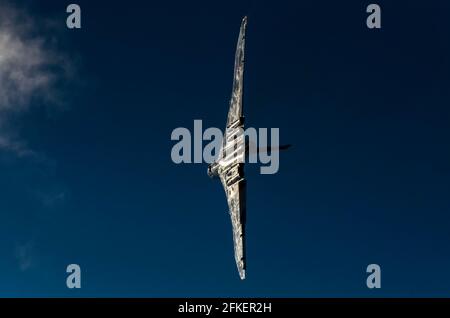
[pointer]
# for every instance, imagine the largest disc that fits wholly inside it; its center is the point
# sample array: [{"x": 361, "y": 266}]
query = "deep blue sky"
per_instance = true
[{"x": 367, "y": 181}]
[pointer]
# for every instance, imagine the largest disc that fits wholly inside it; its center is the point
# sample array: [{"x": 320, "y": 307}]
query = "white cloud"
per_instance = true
[
  {"x": 52, "y": 198},
  {"x": 30, "y": 66},
  {"x": 24, "y": 256},
  {"x": 17, "y": 147}
]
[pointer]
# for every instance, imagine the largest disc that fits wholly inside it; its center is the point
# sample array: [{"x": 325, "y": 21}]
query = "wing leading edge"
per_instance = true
[{"x": 235, "y": 112}]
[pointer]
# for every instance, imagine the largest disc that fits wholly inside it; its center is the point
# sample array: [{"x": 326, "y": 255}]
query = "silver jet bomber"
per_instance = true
[{"x": 229, "y": 166}]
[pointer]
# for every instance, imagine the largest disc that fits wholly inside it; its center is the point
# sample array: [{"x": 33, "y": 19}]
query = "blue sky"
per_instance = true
[{"x": 85, "y": 169}]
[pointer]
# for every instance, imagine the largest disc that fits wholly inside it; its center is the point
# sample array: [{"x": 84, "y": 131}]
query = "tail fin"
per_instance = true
[
  {"x": 279, "y": 148},
  {"x": 285, "y": 147},
  {"x": 252, "y": 148}
]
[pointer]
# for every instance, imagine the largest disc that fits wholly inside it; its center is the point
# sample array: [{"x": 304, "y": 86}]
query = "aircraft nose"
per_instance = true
[{"x": 208, "y": 171}]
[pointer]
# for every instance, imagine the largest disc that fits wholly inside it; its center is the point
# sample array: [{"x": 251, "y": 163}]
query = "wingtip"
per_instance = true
[{"x": 242, "y": 274}]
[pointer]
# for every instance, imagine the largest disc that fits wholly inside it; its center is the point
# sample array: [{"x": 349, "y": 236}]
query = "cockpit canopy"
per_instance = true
[{"x": 212, "y": 170}]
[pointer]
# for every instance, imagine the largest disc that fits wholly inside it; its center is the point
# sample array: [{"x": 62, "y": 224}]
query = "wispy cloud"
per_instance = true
[
  {"x": 24, "y": 256},
  {"x": 30, "y": 68},
  {"x": 17, "y": 147},
  {"x": 52, "y": 198}
]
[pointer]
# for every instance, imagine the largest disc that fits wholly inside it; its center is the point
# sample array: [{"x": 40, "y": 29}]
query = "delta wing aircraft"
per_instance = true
[{"x": 229, "y": 166}]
